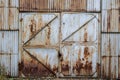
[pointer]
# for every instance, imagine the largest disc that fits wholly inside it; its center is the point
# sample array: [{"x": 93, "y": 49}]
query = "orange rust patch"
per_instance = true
[
  {"x": 33, "y": 26},
  {"x": 34, "y": 69},
  {"x": 65, "y": 67},
  {"x": 86, "y": 52},
  {"x": 85, "y": 36}
]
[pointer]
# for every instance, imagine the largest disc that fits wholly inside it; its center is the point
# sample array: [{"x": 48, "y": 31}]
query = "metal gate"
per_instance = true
[{"x": 60, "y": 44}]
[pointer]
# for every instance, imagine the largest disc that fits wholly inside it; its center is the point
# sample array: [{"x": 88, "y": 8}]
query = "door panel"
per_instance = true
[
  {"x": 79, "y": 27},
  {"x": 78, "y": 60},
  {"x": 40, "y": 29},
  {"x": 30, "y": 66},
  {"x": 63, "y": 45},
  {"x": 40, "y": 40},
  {"x": 79, "y": 48}
]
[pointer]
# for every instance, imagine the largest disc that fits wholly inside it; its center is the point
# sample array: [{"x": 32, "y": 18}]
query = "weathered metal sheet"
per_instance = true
[
  {"x": 65, "y": 61},
  {"x": 84, "y": 26},
  {"x": 110, "y": 67},
  {"x": 9, "y": 52},
  {"x": 9, "y": 19},
  {"x": 9, "y": 3},
  {"x": 8, "y": 42},
  {"x": 10, "y": 64},
  {"x": 79, "y": 48},
  {"x": 110, "y": 44},
  {"x": 110, "y": 20},
  {"x": 60, "y": 5},
  {"x": 40, "y": 29},
  {"x": 93, "y": 5},
  {"x": 14, "y": 3},
  {"x": 79, "y": 60},
  {"x": 119, "y": 67},
  {"x": 39, "y": 62},
  {"x": 110, "y": 4},
  {"x": 5, "y": 63},
  {"x": 3, "y": 3}
]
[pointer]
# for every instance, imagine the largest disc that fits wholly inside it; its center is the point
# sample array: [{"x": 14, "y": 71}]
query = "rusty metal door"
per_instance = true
[
  {"x": 59, "y": 44},
  {"x": 40, "y": 43},
  {"x": 79, "y": 48}
]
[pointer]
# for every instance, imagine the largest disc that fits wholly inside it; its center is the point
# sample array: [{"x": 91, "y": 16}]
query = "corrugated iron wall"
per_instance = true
[
  {"x": 9, "y": 39},
  {"x": 17, "y": 31},
  {"x": 110, "y": 46},
  {"x": 60, "y": 5}
]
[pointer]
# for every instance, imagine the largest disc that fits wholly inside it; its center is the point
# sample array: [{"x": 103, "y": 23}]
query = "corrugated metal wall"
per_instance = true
[
  {"x": 9, "y": 31},
  {"x": 12, "y": 27},
  {"x": 60, "y": 5},
  {"x": 110, "y": 46}
]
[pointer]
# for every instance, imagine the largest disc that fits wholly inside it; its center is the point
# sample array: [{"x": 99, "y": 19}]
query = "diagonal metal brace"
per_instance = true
[
  {"x": 39, "y": 30},
  {"x": 78, "y": 29},
  {"x": 32, "y": 56}
]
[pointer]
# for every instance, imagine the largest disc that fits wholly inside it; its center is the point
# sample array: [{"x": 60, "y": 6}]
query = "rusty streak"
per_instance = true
[
  {"x": 33, "y": 57},
  {"x": 39, "y": 30},
  {"x": 78, "y": 29}
]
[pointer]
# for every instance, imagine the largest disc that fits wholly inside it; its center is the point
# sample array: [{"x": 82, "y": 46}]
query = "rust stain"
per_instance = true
[
  {"x": 11, "y": 17},
  {"x": 34, "y": 69},
  {"x": 64, "y": 62},
  {"x": 82, "y": 65},
  {"x": 65, "y": 67},
  {"x": 88, "y": 67},
  {"x": 108, "y": 22},
  {"x": 78, "y": 67},
  {"x": 98, "y": 69},
  {"x": 52, "y": 5},
  {"x": 21, "y": 19},
  {"x": 85, "y": 35},
  {"x": 55, "y": 69},
  {"x": 32, "y": 26},
  {"x": 86, "y": 52},
  {"x": 82, "y": 69},
  {"x": 48, "y": 36}
]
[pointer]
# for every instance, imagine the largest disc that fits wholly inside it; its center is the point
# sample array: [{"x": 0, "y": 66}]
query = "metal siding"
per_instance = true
[
  {"x": 9, "y": 42},
  {"x": 9, "y": 3},
  {"x": 60, "y": 5},
  {"x": 110, "y": 38},
  {"x": 10, "y": 64},
  {"x": 5, "y": 63},
  {"x": 9, "y": 52},
  {"x": 110, "y": 4},
  {"x": 119, "y": 67},
  {"x": 110, "y": 67},
  {"x": 110, "y": 21},
  {"x": 3, "y": 3},
  {"x": 14, "y": 65},
  {"x": 68, "y": 48},
  {"x": 8, "y": 19},
  {"x": 110, "y": 44},
  {"x": 93, "y": 5}
]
